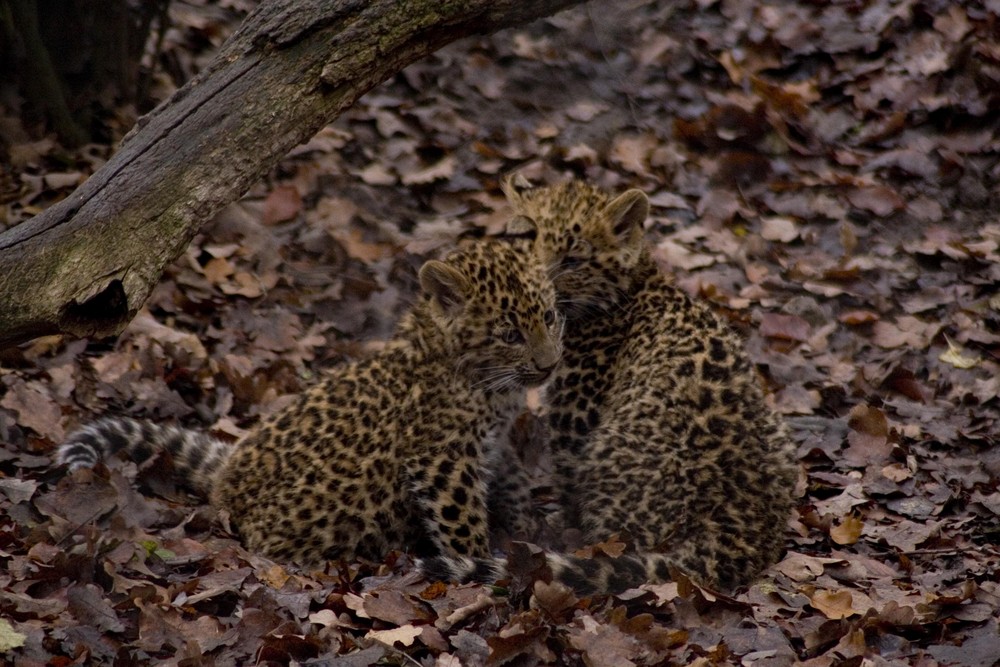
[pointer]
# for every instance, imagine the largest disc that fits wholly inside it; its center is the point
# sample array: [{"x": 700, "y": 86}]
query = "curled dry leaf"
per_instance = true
[
  {"x": 856, "y": 317},
  {"x": 554, "y": 599},
  {"x": 906, "y": 331},
  {"x": 325, "y": 617},
  {"x": 955, "y": 356},
  {"x": 441, "y": 170},
  {"x": 377, "y": 174},
  {"x": 218, "y": 269},
  {"x": 676, "y": 256},
  {"x": 801, "y": 567},
  {"x": 18, "y": 490},
  {"x": 36, "y": 409},
  {"x": 10, "y": 638},
  {"x": 404, "y": 635},
  {"x": 905, "y": 535},
  {"x": 879, "y": 199},
  {"x": 88, "y": 604},
  {"x": 848, "y": 531},
  {"x": 632, "y": 152},
  {"x": 283, "y": 203},
  {"x": 394, "y": 607},
  {"x": 868, "y": 437},
  {"x": 978, "y": 648},
  {"x": 667, "y": 199},
  {"x": 603, "y": 644},
  {"x": 613, "y": 547},
  {"x": 833, "y": 604},
  {"x": 897, "y": 472},
  {"x": 777, "y": 228},
  {"x": 784, "y": 327},
  {"x": 868, "y": 420}
]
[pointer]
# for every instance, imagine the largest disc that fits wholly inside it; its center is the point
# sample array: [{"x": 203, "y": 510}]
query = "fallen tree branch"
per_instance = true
[{"x": 85, "y": 265}]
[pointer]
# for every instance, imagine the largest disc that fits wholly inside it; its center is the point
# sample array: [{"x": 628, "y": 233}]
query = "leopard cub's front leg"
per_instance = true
[{"x": 451, "y": 493}]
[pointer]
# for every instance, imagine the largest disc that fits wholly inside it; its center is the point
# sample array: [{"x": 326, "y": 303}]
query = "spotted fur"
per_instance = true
[
  {"x": 659, "y": 429},
  {"x": 392, "y": 452}
]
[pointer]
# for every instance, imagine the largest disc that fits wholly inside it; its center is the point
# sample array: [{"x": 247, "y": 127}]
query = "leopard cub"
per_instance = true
[
  {"x": 392, "y": 452},
  {"x": 658, "y": 424}
]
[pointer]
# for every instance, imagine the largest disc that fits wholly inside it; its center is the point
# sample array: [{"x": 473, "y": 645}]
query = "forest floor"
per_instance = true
[{"x": 824, "y": 173}]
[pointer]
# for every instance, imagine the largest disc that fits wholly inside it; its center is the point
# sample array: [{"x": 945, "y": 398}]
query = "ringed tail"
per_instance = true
[
  {"x": 586, "y": 576},
  {"x": 197, "y": 457}
]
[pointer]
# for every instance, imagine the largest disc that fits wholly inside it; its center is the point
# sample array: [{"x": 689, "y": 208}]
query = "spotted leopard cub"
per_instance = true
[
  {"x": 659, "y": 429},
  {"x": 393, "y": 452}
]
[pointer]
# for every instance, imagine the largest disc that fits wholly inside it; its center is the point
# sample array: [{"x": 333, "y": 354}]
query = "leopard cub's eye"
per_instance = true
[
  {"x": 578, "y": 253},
  {"x": 512, "y": 336},
  {"x": 549, "y": 317}
]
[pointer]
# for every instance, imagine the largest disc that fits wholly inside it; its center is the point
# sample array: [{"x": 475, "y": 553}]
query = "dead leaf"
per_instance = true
[
  {"x": 801, "y": 567},
  {"x": 667, "y": 199},
  {"x": 10, "y": 638},
  {"x": 907, "y": 384},
  {"x": 907, "y": 331},
  {"x": 441, "y": 170},
  {"x": 856, "y": 317},
  {"x": 145, "y": 324},
  {"x": 218, "y": 269},
  {"x": 275, "y": 576},
  {"x": 603, "y": 645},
  {"x": 88, "y": 605},
  {"x": 25, "y": 605},
  {"x": 778, "y": 228},
  {"x": 377, "y": 174},
  {"x": 395, "y": 607},
  {"x": 244, "y": 284},
  {"x": 674, "y": 255},
  {"x": 611, "y": 547},
  {"x": 282, "y": 204},
  {"x": 833, "y": 604},
  {"x": 404, "y": 635},
  {"x": 897, "y": 472},
  {"x": 35, "y": 409},
  {"x": 18, "y": 490},
  {"x": 879, "y": 199},
  {"x": 868, "y": 437},
  {"x": 554, "y": 599},
  {"x": 57, "y": 181},
  {"x": 784, "y": 327},
  {"x": 848, "y": 531},
  {"x": 356, "y": 246},
  {"x": 954, "y": 355},
  {"x": 325, "y": 617},
  {"x": 632, "y": 152},
  {"x": 980, "y": 647},
  {"x": 356, "y": 603},
  {"x": 916, "y": 507},
  {"x": 905, "y": 535}
]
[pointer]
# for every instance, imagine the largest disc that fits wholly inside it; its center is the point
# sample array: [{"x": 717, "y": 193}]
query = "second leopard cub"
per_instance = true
[
  {"x": 659, "y": 429},
  {"x": 391, "y": 452}
]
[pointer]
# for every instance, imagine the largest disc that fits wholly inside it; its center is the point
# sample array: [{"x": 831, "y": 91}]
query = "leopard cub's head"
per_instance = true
[
  {"x": 496, "y": 307},
  {"x": 589, "y": 239}
]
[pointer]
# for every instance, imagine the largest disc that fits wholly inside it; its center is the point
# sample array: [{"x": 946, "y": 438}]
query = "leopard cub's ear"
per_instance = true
[
  {"x": 445, "y": 284},
  {"x": 626, "y": 213},
  {"x": 521, "y": 227},
  {"x": 514, "y": 186}
]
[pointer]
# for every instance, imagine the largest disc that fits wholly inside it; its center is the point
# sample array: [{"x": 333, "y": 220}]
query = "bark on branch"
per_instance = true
[{"x": 86, "y": 265}]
